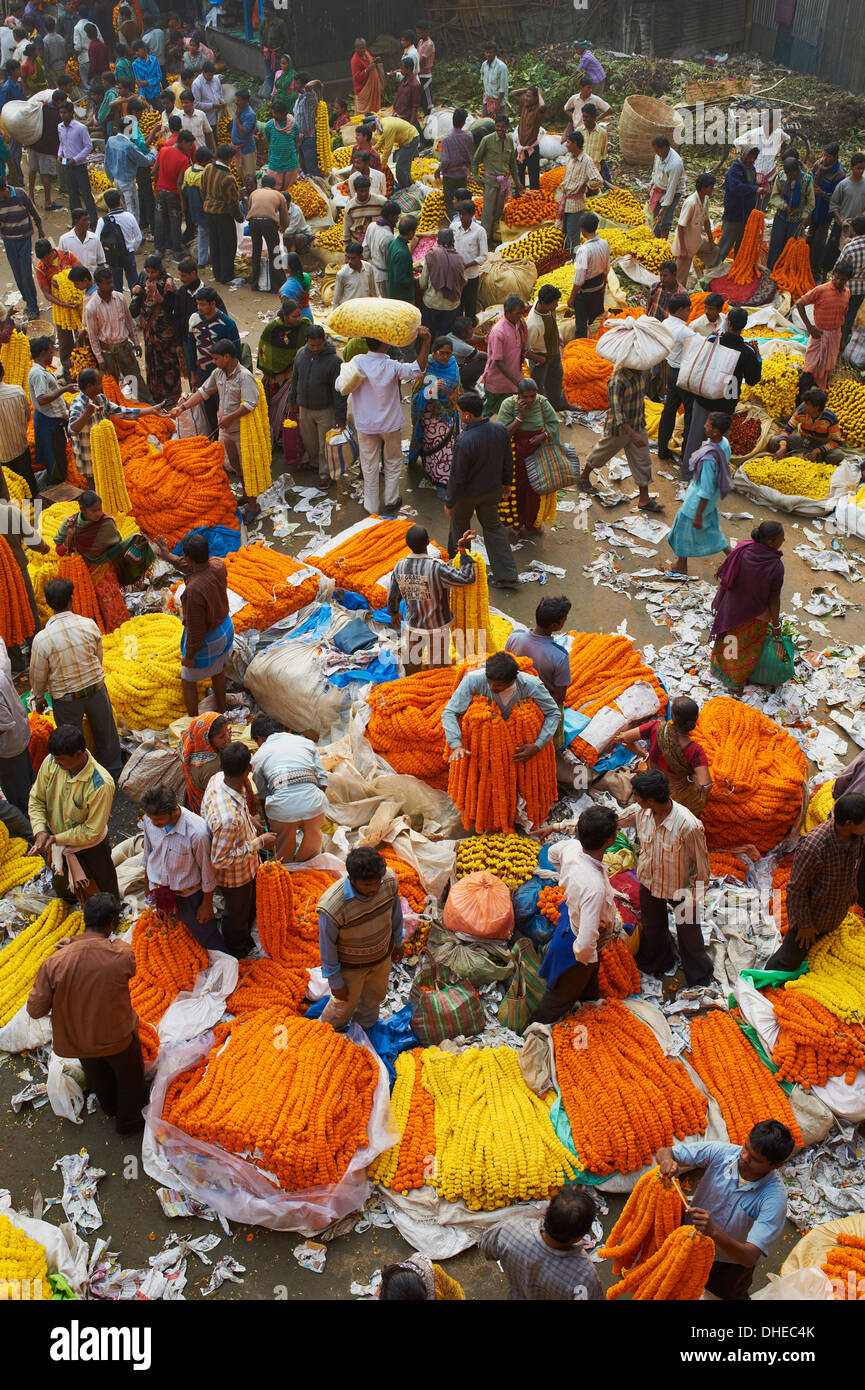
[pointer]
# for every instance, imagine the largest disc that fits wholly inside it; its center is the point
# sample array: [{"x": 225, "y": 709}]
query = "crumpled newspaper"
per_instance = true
[
  {"x": 165, "y": 1278},
  {"x": 311, "y": 1255},
  {"x": 827, "y": 1180},
  {"x": 227, "y": 1268},
  {"x": 79, "y": 1190}
]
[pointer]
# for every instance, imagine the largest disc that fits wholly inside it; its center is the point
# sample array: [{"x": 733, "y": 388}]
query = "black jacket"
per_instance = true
[
  {"x": 313, "y": 382},
  {"x": 482, "y": 461}
]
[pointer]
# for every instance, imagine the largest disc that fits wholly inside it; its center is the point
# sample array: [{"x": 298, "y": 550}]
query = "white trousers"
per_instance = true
[{"x": 370, "y": 449}]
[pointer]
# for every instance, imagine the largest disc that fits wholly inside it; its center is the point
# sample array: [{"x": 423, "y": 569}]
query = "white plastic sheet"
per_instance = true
[
  {"x": 65, "y": 1252},
  {"x": 844, "y": 482}
]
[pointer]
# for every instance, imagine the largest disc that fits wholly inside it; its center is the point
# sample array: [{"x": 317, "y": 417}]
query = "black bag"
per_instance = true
[{"x": 113, "y": 243}]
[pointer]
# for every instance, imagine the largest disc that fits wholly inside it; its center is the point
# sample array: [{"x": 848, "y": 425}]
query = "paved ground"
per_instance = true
[{"x": 31, "y": 1142}]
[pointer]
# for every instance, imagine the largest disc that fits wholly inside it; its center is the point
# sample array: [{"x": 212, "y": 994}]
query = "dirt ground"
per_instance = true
[{"x": 134, "y": 1225}]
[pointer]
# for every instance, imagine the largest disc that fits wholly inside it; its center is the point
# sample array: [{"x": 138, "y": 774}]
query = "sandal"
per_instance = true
[
  {"x": 653, "y": 505},
  {"x": 588, "y": 488}
]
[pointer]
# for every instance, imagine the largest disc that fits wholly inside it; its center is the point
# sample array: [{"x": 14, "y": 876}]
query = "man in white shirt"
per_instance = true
[
  {"x": 591, "y": 268},
  {"x": 207, "y": 94},
  {"x": 375, "y": 242},
  {"x": 574, "y": 105},
  {"x": 192, "y": 119},
  {"x": 82, "y": 242},
  {"x": 363, "y": 169},
  {"x": 672, "y": 870},
  {"x": 378, "y": 418},
  {"x": 81, "y": 45},
  {"x": 14, "y": 450},
  {"x": 112, "y": 332},
  {"x": 570, "y": 965},
  {"x": 470, "y": 239},
  {"x": 132, "y": 239},
  {"x": 676, "y": 323},
  {"x": 771, "y": 140},
  {"x": 693, "y": 226},
  {"x": 543, "y": 346},
  {"x": 709, "y": 321},
  {"x": 667, "y": 187},
  {"x": 7, "y": 43},
  {"x": 355, "y": 279},
  {"x": 176, "y": 861}
]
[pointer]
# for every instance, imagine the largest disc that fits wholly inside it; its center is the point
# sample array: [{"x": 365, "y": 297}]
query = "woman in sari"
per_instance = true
[
  {"x": 285, "y": 86},
  {"x": 279, "y": 344},
  {"x": 434, "y": 413},
  {"x": 673, "y": 752},
  {"x": 297, "y": 284},
  {"x": 530, "y": 421},
  {"x": 153, "y": 303},
  {"x": 93, "y": 535},
  {"x": 746, "y": 603},
  {"x": 696, "y": 529},
  {"x": 366, "y": 78},
  {"x": 199, "y": 748}
]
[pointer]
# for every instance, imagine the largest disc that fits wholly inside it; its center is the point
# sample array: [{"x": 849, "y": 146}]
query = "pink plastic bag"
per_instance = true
[{"x": 480, "y": 905}]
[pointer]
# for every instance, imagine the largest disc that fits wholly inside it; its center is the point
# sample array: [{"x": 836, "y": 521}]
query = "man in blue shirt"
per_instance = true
[
  {"x": 740, "y": 1201},
  {"x": 243, "y": 128},
  {"x": 502, "y": 681}
]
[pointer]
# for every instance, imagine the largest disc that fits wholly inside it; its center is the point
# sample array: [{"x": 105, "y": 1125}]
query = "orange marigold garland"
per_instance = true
[
  {"x": 407, "y": 1165},
  {"x": 405, "y": 723},
  {"x": 179, "y": 487},
  {"x": 359, "y": 562},
  {"x": 792, "y": 270},
  {"x": 758, "y": 772},
  {"x": 286, "y": 929},
  {"x": 295, "y": 1093},
  {"x": 40, "y": 732},
  {"x": 585, "y": 375},
  {"x": 84, "y": 602},
  {"x": 264, "y": 578},
  {"x": 268, "y": 984},
  {"x": 780, "y": 879},
  {"x": 845, "y": 1267},
  {"x": 676, "y": 1272},
  {"x": 618, "y": 975},
  {"x": 743, "y": 1086},
  {"x": 652, "y": 1212},
  {"x": 603, "y": 666},
  {"x": 550, "y": 903},
  {"x": 624, "y": 1099},
  {"x": 410, "y": 886},
  {"x": 485, "y": 785},
  {"x": 744, "y": 267},
  {"x": 16, "y": 616},
  {"x": 167, "y": 960},
  {"x": 724, "y": 865},
  {"x": 813, "y": 1044}
]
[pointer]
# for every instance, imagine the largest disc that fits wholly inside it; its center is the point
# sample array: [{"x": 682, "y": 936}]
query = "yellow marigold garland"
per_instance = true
[
  {"x": 20, "y": 959},
  {"x": 256, "y": 448},
  {"x": 64, "y": 290},
  {"x": 108, "y": 478},
  {"x": 23, "y": 1267},
  {"x": 16, "y": 360},
  {"x": 142, "y": 671},
  {"x": 323, "y": 149},
  {"x": 836, "y": 971}
]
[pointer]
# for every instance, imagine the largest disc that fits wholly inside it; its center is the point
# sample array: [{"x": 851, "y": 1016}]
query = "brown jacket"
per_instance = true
[
  {"x": 270, "y": 203},
  {"x": 85, "y": 987},
  {"x": 204, "y": 604},
  {"x": 219, "y": 191}
]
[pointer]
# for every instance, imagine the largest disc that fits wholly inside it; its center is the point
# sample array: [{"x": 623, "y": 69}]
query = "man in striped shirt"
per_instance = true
[
  {"x": 672, "y": 870},
  {"x": 17, "y": 216},
  {"x": 812, "y": 432},
  {"x": 422, "y": 581},
  {"x": 235, "y": 841}
]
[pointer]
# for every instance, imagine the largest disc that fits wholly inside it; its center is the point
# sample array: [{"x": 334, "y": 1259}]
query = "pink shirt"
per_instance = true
[{"x": 506, "y": 343}]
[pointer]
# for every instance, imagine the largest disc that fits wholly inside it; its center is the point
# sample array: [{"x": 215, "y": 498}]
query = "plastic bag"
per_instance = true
[
  {"x": 801, "y": 1285},
  {"x": 777, "y": 661},
  {"x": 525, "y": 990},
  {"x": 64, "y": 1088},
  {"x": 708, "y": 369},
  {"x": 480, "y": 905},
  {"x": 23, "y": 1033},
  {"x": 527, "y": 919},
  {"x": 855, "y": 349},
  {"x": 477, "y": 962},
  {"x": 351, "y": 375},
  {"x": 442, "y": 1007},
  {"x": 638, "y": 343},
  {"x": 232, "y": 1185},
  {"x": 390, "y": 320},
  {"x": 341, "y": 450}
]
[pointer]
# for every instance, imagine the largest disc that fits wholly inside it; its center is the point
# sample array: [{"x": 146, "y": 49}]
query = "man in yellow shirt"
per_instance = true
[
  {"x": 70, "y": 803},
  {"x": 395, "y": 133}
]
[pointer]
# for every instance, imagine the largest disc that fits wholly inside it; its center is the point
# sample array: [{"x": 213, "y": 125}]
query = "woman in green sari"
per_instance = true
[
  {"x": 93, "y": 535},
  {"x": 531, "y": 421},
  {"x": 279, "y": 344},
  {"x": 285, "y": 86}
]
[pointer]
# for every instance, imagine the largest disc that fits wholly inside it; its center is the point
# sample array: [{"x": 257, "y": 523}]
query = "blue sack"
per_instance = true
[{"x": 527, "y": 920}]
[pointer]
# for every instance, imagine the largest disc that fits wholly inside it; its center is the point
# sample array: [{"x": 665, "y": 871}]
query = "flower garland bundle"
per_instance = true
[
  {"x": 745, "y": 267},
  {"x": 18, "y": 491},
  {"x": 40, "y": 732},
  {"x": 618, "y": 975},
  {"x": 624, "y": 1099},
  {"x": 845, "y": 1267},
  {"x": 792, "y": 270},
  {"x": 819, "y": 807},
  {"x": 550, "y": 903},
  {"x": 847, "y": 398},
  {"x": 179, "y": 487},
  {"x": 410, "y": 886},
  {"x": 585, "y": 374},
  {"x": 256, "y": 448},
  {"x": 142, "y": 671},
  {"x": 561, "y": 277},
  {"x": 21, "y": 958},
  {"x": 485, "y": 785},
  {"x": 778, "y": 387},
  {"x": 16, "y": 865},
  {"x": 308, "y": 199},
  {"x": 405, "y": 722},
  {"x": 295, "y": 1094},
  {"x": 470, "y": 605},
  {"x": 84, "y": 601},
  {"x": 546, "y": 513},
  {"x": 551, "y": 178},
  {"x": 537, "y": 245},
  {"x": 133, "y": 434},
  {"x": 650, "y": 251},
  {"x": 16, "y": 615},
  {"x": 727, "y": 866},
  {"x": 617, "y": 205},
  {"x": 286, "y": 909},
  {"x": 323, "y": 149},
  {"x": 16, "y": 360},
  {"x": 407, "y": 1165},
  {"x": 758, "y": 772},
  {"x": 494, "y": 1142},
  {"x": 743, "y": 1086},
  {"x": 603, "y": 666},
  {"x": 512, "y": 858},
  {"x": 813, "y": 1044},
  {"x": 167, "y": 960},
  {"x": 108, "y": 479},
  {"x": 23, "y": 1267},
  {"x": 530, "y": 210},
  {"x": 359, "y": 562},
  {"x": 780, "y": 879},
  {"x": 331, "y": 237},
  {"x": 652, "y": 1212},
  {"x": 263, "y": 577},
  {"x": 836, "y": 971},
  {"x": 676, "y": 1272},
  {"x": 149, "y": 1039},
  {"x": 268, "y": 984},
  {"x": 71, "y": 298}
]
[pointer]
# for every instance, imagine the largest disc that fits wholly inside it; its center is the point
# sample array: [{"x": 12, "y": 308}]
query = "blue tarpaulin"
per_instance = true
[{"x": 221, "y": 540}]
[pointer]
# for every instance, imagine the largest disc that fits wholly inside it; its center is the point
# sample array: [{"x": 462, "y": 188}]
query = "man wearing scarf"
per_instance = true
[
  {"x": 825, "y": 177},
  {"x": 532, "y": 108},
  {"x": 793, "y": 202},
  {"x": 498, "y": 156},
  {"x": 442, "y": 279}
]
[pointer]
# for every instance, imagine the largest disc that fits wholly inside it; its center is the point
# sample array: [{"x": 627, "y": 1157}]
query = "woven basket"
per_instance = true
[{"x": 641, "y": 120}]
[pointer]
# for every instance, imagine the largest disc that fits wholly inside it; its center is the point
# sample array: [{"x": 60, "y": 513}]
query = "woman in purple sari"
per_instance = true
[{"x": 747, "y": 601}]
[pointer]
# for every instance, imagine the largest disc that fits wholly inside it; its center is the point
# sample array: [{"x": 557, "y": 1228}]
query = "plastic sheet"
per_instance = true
[{"x": 65, "y": 1252}]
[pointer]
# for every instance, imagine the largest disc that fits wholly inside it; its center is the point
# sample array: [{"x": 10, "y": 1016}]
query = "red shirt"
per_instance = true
[
  {"x": 45, "y": 271},
  {"x": 692, "y": 752},
  {"x": 97, "y": 55},
  {"x": 171, "y": 165}
]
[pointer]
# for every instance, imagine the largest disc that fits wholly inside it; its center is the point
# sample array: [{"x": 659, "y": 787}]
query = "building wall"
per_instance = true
[{"x": 827, "y": 37}]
